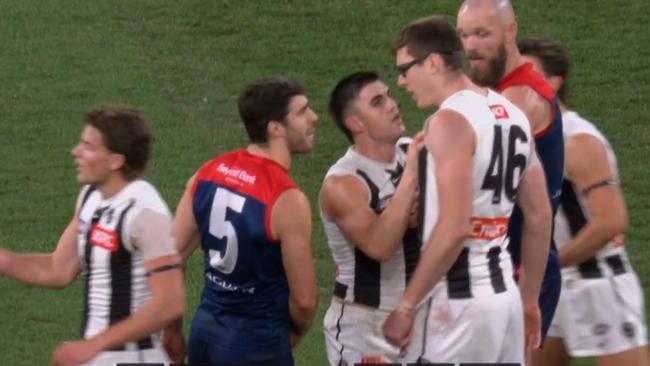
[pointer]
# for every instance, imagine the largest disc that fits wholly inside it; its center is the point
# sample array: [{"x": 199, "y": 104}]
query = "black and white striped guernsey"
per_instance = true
[
  {"x": 483, "y": 267},
  {"x": 573, "y": 214},
  {"x": 361, "y": 279},
  {"x": 114, "y": 275}
]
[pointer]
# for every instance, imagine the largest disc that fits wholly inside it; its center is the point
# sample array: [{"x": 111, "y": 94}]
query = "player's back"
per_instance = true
[
  {"x": 502, "y": 154},
  {"x": 246, "y": 291}
]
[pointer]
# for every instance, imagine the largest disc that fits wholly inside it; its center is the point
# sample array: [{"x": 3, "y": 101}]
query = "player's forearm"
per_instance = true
[
  {"x": 442, "y": 250},
  {"x": 302, "y": 313},
  {"x": 34, "y": 269},
  {"x": 150, "y": 318},
  {"x": 536, "y": 242},
  {"x": 591, "y": 238},
  {"x": 385, "y": 234}
]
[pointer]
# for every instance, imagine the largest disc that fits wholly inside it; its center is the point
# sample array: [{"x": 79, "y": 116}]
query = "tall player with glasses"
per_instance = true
[{"x": 480, "y": 160}]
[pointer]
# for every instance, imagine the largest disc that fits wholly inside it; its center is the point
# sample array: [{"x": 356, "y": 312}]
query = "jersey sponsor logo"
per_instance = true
[
  {"x": 239, "y": 174},
  {"x": 104, "y": 238},
  {"x": 499, "y": 111},
  {"x": 487, "y": 228},
  {"x": 228, "y": 286},
  {"x": 374, "y": 360}
]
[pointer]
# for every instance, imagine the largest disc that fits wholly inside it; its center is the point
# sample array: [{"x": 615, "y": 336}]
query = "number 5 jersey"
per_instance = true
[{"x": 246, "y": 291}]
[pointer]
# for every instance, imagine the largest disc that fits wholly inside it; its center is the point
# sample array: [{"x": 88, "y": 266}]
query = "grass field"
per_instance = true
[{"x": 183, "y": 63}]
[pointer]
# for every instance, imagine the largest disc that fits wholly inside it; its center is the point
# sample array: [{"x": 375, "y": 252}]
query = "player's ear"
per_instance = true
[
  {"x": 354, "y": 124},
  {"x": 116, "y": 161},
  {"x": 434, "y": 63},
  {"x": 275, "y": 129}
]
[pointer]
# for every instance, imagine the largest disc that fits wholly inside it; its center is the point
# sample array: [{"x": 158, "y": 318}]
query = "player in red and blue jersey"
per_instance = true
[
  {"x": 254, "y": 225},
  {"x": 489, "y": 32}
]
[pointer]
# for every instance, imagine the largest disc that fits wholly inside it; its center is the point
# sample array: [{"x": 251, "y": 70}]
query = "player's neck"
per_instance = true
[
  {"x": 456, "y": 83},
  {"x": 278, "y": 153},
  {"x": 377, "y": 151},
  {"x": 113, "y": 185},
  {"x": 513, "y": 61}
]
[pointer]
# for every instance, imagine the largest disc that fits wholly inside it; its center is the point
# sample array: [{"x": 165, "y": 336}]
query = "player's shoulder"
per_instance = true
[{"x": 142, "y": 194}]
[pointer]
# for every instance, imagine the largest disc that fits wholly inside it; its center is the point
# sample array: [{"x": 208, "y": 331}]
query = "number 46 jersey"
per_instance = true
[
  {"x": 233, "y": 195},
  {"x": 502, "y": 154}
]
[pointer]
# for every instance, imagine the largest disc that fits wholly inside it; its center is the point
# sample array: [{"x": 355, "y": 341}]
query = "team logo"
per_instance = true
[
  {"x": 104, "y": 238},
  {"x": 600, "y": 329},
  {"x": 499, "y": 111},
  {"x": 628, "y": 330}
]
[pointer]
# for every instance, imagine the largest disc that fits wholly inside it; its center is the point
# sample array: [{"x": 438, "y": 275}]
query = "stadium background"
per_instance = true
[{"x": 184, "y": 63}]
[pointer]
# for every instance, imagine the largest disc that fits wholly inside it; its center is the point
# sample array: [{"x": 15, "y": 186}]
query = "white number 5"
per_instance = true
[{"x": 219, "y": 227}]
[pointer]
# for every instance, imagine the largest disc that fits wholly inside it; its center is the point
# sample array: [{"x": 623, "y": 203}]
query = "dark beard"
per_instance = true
[{"x": 495, "y": 72}]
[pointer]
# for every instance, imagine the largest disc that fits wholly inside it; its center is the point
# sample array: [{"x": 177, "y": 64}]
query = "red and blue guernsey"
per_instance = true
[
  {"x": 243, "y": 317},
  {"x": 550, "y": 149}
]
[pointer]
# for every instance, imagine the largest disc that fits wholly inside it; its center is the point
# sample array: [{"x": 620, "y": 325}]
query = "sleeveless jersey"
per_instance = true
[
  {"x": 573, "y": 214},
  {"x": 550, "y": 149},
  {"x": 359, "y": 278},
  {"x": 502, "y": 154},
  {"x": 245, "y": 282},
  {"x": 114, "y": 273}
]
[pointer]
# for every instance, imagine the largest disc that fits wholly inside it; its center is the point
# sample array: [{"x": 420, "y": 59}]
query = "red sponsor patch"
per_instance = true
[
  {"x": 103, "y": 238},
  {"x": 488, "y": 228},
  {"x": 499, "y": 111},
  {"x": 375, "y": 360}
]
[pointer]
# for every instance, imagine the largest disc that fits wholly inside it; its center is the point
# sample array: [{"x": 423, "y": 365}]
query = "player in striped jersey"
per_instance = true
[
  {"x": 121, "y": 237},
  {"x": 365, "y": 204},
  {"x": 480, "y": 159},
  {"x": 488, "y": 29},
  {"x": 601, "y": 311}
]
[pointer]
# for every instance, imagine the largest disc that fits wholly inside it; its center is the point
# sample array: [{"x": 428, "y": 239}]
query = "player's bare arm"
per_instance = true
[
  {"x": 451, "y": 141},
  {"x": 188, "y": 239},
  {"x": 151, "y": 233},
  {"x": 588, "y": 168},
  {"x": 538, "y": 110},
  {"x": 291, "y": 223},
  {"x": 532, "y": 198},
  {"x": 345, "y": 198},
  {"x": 54, "y": 270}
]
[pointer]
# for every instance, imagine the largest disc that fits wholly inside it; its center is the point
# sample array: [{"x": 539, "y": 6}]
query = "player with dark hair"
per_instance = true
[{"x": 121, "y": 237}]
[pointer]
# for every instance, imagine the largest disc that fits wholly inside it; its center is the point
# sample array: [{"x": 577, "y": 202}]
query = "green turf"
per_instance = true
[{"x": 183, "y": 63}]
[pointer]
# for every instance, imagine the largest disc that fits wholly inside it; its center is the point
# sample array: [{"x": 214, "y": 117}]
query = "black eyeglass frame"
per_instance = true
[{"x": 404, "y": 68}]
